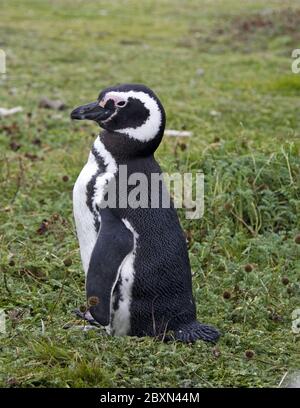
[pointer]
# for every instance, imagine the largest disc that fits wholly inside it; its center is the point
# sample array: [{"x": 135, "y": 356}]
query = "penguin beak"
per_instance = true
[{"x": 91, "y": 111}]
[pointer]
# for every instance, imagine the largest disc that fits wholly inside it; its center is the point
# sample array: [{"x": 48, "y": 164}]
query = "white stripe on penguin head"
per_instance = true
[{"x": 150, "y": 128}]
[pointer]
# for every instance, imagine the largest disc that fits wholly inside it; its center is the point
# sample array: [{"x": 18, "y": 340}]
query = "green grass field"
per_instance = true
[{"x": 222, "y": 70}]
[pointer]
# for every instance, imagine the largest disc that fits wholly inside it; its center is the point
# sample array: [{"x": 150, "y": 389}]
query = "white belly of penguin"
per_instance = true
[
  {"x": 120, "y": 318},
  {"x": 87, "y": 236},
  {"x": 84, "y": 218}
]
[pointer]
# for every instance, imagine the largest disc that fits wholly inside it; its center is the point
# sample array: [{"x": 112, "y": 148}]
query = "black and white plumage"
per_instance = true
[{"x": 136, "y": 260}]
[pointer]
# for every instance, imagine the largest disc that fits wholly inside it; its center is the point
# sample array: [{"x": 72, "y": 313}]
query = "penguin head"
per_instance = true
[{"x": 131, "y": 111}]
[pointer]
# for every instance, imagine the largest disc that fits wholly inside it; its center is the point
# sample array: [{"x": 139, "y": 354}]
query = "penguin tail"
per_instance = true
[{"x": 190, "y": 332}]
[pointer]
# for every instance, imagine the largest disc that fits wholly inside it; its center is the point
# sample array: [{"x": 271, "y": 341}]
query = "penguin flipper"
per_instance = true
[
  {"x": 190, "y": 332},
  {"x": 114, "y": 243}
]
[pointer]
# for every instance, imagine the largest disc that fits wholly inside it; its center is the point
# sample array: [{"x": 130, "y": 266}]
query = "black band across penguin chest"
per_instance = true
[{"x": 91, "y": 187}]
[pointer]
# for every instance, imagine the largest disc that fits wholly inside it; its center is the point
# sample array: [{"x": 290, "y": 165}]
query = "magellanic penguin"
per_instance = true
[{"x": 138, "y": 275}]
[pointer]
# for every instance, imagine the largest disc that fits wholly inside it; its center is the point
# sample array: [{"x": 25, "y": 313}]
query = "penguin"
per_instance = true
[{"x": 136, "y": 263}]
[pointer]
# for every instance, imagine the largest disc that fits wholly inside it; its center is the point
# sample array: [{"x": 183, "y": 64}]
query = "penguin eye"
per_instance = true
[{"x": 121, "y": 103}]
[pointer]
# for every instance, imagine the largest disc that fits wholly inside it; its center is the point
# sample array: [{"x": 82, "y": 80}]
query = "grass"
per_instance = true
[{"x": 244, "y": 252}]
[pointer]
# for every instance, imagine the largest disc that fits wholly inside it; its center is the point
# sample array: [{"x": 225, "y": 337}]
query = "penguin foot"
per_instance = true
[
  {"x": 87, "y": 317},
  {"x": 190, "y": 332}
]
